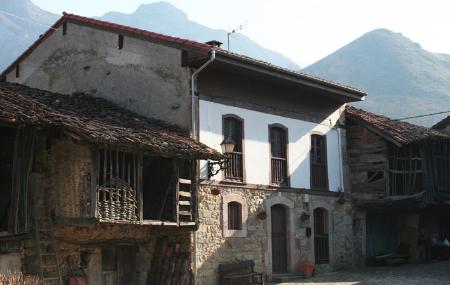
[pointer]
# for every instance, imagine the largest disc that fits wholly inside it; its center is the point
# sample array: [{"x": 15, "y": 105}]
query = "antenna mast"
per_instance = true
[{"x": 233, "y": 31}]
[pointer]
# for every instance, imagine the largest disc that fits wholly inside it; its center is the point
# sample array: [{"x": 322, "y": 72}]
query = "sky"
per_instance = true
[{"x": 303, "y": 30}]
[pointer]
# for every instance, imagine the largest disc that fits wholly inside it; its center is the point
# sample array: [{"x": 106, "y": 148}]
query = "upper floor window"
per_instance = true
[
  {"x": 278, "y": 150},
  {"x": 234, "y": 216},
  {"x": 233, "y": 128},
  {"x": 319, "y": 169}
]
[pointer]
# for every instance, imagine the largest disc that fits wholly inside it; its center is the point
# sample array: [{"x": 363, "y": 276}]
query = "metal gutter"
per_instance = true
[{"x": 193, "y": 89}]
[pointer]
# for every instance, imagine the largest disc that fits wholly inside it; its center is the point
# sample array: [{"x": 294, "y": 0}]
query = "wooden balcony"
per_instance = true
[
  {"x": 234, "y": 167},
  {"x": 279, "y": 171}
]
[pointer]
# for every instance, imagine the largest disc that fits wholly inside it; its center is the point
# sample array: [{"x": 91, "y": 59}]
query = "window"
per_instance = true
[
  {"x": 64, "y": 28},
  {"x": 321, "y": 238},
  {"x": 17, "y": 71},
  {"x": 319, "y": 170},
  {"x": 120, "y": 43},
  {"x": 232, "y": 128},
  {"x": 405, "y": 170},
  {"x": 234, "y": 216},
  {"x": 278, "y": 150}
]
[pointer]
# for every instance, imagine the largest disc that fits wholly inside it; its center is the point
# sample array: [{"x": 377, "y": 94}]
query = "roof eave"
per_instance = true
[{"x": 340, "y": 91}]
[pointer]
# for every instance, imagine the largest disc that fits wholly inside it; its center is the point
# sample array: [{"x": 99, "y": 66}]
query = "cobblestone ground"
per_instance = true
[{"x": 423, "y": 274}]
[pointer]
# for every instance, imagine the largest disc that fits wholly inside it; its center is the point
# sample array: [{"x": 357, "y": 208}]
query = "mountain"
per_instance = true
[
  {"x": 401, "y": 77},
  {"x": 162, "y": 17},
  {"x": 21, "y": 23}
]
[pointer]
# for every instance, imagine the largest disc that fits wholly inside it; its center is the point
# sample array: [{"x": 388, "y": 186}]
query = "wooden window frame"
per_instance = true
[
  {"x": 320, "y": 235},
  {"x": 325, "y": 187},
  {"x": 287, "y": 183},
  {"x": 234, "y": 208},
  {"x": 241, "y": 120},
  {"x": 226, "y": 199}
]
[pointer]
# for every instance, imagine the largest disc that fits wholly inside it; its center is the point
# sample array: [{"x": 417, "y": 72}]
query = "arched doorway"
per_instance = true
[
  {"x": 279, "y": 239},
  {"x": 321, "y": 236}
]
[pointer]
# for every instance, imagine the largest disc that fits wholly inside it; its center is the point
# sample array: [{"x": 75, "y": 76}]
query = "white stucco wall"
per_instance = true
[{"x": 257, "y": 148}]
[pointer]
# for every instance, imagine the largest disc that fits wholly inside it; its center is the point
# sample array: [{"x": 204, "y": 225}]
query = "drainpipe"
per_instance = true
[
  {"x": 341, "y": 174},
  {"x": 194, "y": 88},
  {"x": 194, "y": 136}
]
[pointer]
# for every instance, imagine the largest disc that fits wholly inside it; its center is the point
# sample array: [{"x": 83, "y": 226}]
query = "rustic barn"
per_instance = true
[
  {"x": 90, "y": 189},
  {"x": 399, "y": 177}
]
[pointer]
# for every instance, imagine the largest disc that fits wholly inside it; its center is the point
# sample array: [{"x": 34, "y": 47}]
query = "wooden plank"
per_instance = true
[
  {"x": 184, "y": 203},
  {"x": 184, "y": 181},
  {"x": 184, "y": 194},
  {"x": 185, "y": 213},
  {"x": 139, "y": 190}
]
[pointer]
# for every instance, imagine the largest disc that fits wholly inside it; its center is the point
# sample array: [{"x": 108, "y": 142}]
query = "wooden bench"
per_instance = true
[{"x": 240, "y": 272}]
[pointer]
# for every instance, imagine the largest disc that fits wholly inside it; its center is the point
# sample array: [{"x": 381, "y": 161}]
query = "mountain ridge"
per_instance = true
[
  {"x": 395, "y": 71},
  {"x": 164, "y": 18}
]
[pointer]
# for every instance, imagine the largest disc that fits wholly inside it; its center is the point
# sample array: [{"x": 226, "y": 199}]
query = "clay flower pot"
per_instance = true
[
  {"x": 215, "y": 191},
  {"x": 306, "y": 268}
]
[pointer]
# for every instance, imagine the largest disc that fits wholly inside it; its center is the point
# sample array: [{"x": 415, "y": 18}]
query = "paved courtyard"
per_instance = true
[{"x": 423, "y": 274}]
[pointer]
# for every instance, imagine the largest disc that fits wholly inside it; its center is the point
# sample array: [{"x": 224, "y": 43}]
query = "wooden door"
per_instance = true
[
  {"x": 321, "y": 241},
  {"x": 279, "y": 239}
]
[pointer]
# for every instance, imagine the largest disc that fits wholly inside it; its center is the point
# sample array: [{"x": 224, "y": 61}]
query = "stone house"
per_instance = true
[
  {"x": 282, "y": 195},
  {"x": 400, "y": 186},
  {"x": 87, "y": 185}
]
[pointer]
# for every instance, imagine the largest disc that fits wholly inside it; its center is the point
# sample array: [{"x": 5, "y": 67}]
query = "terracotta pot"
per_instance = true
[
  {"x": 306, "y": 268},
  {"x": 215, "y": 191}
]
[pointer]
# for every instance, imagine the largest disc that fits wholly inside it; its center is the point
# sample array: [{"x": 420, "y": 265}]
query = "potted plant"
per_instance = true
[{"x": 306, "y": 268}]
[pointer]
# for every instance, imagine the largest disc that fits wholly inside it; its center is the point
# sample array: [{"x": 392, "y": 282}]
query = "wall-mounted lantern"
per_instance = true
[{"x": 227, "y": 146}]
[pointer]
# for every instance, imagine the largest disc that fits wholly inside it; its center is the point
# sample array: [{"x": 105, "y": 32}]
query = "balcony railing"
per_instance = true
[
  {"x": 279, "y": 170},
  {"x": 234, "y": 167},
  {"x": 319, "y": 176}
]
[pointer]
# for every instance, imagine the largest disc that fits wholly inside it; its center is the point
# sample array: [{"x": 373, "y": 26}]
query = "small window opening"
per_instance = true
[
  {"x": 7, "y": 139},
  {"x": 120, "y": 44},
  {"x": 234, "y": 216},
  {"x": 17, "y": 71},
  {"x": 158, "y": 187},
  {"x": 64, "y": 29}
]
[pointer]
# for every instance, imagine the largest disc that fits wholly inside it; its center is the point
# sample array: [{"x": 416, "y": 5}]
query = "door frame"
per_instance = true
[{"x": 292, "y": 254}]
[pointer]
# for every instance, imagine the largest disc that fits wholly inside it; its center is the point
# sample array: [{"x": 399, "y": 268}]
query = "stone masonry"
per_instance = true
[{"x": 212, "y": 248}]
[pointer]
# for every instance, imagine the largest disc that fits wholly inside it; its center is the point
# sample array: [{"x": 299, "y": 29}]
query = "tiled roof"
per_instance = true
[
  {"x": 96, "y": 120},
  {"x": 442, "y": 124},
  {"x": 398, "y": 132},
  {"x": 179, "y": 42}
]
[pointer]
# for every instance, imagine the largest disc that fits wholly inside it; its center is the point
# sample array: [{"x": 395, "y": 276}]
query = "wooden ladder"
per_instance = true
[
  {"x": 47, "y": 251},
  {"x": 184, "y": 201}
]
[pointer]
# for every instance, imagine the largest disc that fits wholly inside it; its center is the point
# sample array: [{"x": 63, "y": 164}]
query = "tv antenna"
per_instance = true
[{"x": 234, "y": 31}]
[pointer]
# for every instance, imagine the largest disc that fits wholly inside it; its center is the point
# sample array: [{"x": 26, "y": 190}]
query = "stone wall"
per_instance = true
[
  {"x": 144, "y": 77},
  {"x": 212, "y": 248}
]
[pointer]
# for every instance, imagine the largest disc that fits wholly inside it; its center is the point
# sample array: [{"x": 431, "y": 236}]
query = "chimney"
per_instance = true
[{"x": 214, "y": 43}]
